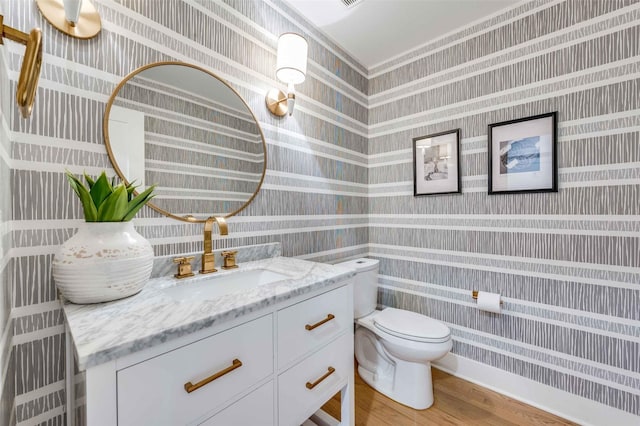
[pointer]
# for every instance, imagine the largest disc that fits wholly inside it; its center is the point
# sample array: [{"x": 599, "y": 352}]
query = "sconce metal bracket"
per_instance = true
[{"x": 276, "y": 101}]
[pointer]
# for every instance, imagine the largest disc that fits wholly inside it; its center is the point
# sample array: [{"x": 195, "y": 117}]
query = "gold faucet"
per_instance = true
[{"x": 208, "y": 259}]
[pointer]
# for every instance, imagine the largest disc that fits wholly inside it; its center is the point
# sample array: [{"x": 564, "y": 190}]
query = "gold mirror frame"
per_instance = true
[{"x": 105, "y": 131}]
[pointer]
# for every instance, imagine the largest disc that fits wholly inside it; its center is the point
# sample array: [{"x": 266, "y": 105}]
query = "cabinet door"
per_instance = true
[
  {"x": 153, "y": 392},
  {"x": 254, "y": 409},
  {"x": 304, "y": 388},
  {"x": 311, "y": 324}
]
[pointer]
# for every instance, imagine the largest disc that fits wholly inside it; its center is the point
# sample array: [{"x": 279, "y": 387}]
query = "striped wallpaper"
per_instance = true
[
  {"x": 7, "y": 364},
  {"x": 338, "y": 181},
  {"x": 567, "y": 264},
  {"x": 314, "y": 198}
]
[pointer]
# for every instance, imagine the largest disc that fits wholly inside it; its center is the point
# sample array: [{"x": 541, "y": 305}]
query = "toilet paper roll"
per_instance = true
[{"x": 489, "y": 302}]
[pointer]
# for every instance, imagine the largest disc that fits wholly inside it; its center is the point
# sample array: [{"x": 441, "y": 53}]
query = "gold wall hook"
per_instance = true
[{"x": 31, "y": 63}]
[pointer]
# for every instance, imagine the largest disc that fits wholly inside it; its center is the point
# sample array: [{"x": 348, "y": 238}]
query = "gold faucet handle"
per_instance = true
[
  {"x": 184, "y": 266},
  {"x": 229, "y": 258}
]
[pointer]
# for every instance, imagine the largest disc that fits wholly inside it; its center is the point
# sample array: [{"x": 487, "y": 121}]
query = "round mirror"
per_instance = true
[{"x": 182, "y": 128}]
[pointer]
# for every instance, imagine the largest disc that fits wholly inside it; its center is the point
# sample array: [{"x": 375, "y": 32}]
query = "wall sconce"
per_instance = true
[
  {"x": 30, "y": 69},
  {"x": 291, "y": 68},
  {"x": 77, "y": 18}
]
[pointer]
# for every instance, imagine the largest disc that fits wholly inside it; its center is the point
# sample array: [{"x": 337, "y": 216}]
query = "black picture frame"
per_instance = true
[
  {"x": 440, "y": 175},
  {"x": 522, "y": 155}
]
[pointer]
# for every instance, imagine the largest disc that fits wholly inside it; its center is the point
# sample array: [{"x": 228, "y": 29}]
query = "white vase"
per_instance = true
[{"x": 103, "y": 261}]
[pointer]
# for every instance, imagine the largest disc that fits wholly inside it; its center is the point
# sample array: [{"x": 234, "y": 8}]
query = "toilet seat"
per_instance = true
[{"x": 411, "y": 326}]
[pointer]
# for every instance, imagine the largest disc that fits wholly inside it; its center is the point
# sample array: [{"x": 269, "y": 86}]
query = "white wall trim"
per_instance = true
[
  {"x": 336, "y": 251},
  {"x": 40, "y": 334},
  {"x": 517, "y": 267},
  {"x": 16, "y": 252},
  {"x": 508, "y": 228},
  {"x": 40, "y": 392},
  {"x": 43, "y": 417},
  {"x": 572, "y": 83},
  {"x": 569, "y": 406},
  {"x": 29, "y": 225}
]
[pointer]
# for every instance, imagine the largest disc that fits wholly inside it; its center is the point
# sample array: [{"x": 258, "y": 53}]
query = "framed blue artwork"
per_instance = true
[{"x": 522, "y": 155}]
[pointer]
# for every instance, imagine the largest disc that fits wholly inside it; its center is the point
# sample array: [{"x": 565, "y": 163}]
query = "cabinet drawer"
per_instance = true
[
  {"x": 294, "y": 337},
  {"x": 254, "y": 409},
  {"x": 296, "y": 402},
  {"x": 153, "y": 392}
]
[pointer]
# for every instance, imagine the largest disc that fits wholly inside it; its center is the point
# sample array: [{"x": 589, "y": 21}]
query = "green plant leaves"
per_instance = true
[
  {"x": 130, "y": 189},
  {"x": 90, "y": 181},
  {"x": 114, "y": 206},
  {"x": 90, "y": 211},
  {"x": 136, "y": 203},
  {"x": 106, "y": 202},
  {"x": 100, "y": 190}
]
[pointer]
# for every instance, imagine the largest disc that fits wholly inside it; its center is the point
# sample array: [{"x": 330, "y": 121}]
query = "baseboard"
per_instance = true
[{"x": 569, "y": 406}]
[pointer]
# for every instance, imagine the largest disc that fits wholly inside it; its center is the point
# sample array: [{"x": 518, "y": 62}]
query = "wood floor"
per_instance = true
[{"x": 457, "y": 402}]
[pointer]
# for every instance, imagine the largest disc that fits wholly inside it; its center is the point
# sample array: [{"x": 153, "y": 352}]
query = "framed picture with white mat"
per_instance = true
[{"x": 522, "y": 155}]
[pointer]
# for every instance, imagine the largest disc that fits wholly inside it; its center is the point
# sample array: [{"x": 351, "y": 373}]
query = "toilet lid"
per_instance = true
[{"x": 411, "y": 325}]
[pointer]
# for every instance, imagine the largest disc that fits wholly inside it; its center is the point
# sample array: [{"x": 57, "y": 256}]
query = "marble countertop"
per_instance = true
[{"x": 106, "y": 331}]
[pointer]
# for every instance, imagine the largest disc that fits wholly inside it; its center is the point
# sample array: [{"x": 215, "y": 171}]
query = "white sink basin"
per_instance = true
[{"x": 217, "y": 286}]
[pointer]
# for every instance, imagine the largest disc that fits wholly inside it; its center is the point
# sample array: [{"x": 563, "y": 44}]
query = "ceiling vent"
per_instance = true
[{"x": 351, "y": 3}]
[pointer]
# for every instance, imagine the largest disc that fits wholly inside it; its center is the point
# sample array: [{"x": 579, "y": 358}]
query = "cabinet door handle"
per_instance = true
[
  {"x": 189, "y": 387},
  {"x": 318, "y": 324},
  {"x": 330, "y": 371}
]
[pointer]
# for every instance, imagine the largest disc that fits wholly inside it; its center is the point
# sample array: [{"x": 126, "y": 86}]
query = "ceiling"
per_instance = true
[{"x": 374, "y": 31}]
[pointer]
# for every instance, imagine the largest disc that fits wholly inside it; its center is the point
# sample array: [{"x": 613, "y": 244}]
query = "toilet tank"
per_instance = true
[{"x": 365, "y": 289}]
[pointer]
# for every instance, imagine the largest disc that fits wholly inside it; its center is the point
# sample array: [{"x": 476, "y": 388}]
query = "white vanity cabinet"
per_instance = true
[
  {"x": 153, "y": 392},
  {"x": 257, "y": 408},
  {"x": 315, "y": 354},
  {"x": 275, "y": 366}
]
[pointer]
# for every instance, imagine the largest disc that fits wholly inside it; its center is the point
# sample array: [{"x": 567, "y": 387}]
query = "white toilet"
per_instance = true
[{"x": 394, "y": 347}]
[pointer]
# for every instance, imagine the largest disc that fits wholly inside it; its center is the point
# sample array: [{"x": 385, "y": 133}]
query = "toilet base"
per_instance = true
[{"x": 417, "y": 391}]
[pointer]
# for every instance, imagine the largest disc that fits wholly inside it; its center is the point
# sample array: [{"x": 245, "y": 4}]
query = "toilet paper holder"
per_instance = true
[{"x": 474, "y": 294}]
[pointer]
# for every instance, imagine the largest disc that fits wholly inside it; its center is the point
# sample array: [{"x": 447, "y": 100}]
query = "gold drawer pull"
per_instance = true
[
  {"x": 318, "y": 324},
  {"x": 189, "y": 387},
  {"x": 330, "y": 371}
]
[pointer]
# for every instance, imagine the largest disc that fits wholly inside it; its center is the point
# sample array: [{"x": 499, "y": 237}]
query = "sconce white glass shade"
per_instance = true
[
  {"x": 72, "y": 10},
  {"x": 76, "y": 18},
  {"x": 291, "y": 64}
]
